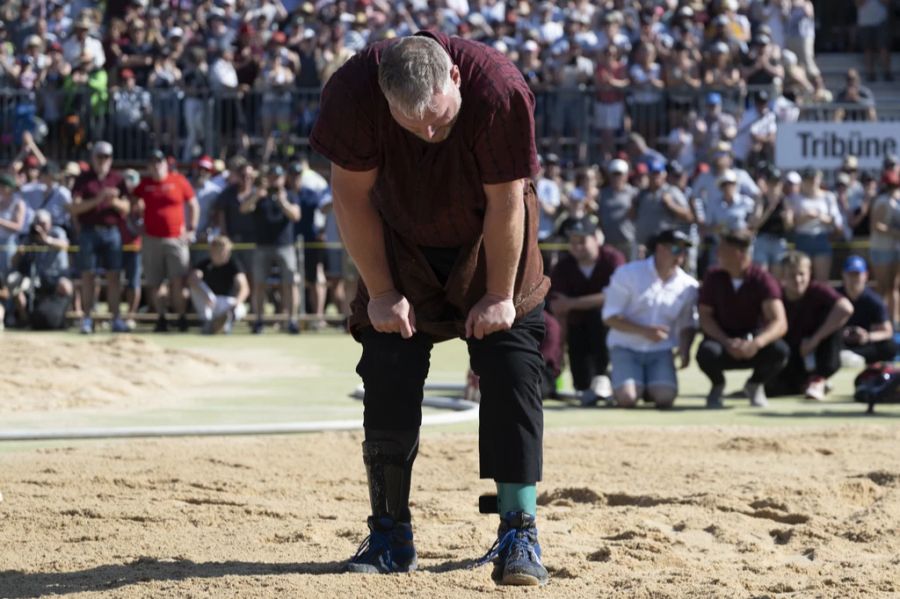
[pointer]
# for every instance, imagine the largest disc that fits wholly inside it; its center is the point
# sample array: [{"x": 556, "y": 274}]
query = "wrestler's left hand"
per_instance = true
[{"x": 492, "y": 313}]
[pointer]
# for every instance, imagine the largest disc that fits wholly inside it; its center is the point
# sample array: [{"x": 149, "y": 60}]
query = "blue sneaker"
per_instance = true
[
  {"x": 119, "y": 326},
  {"x": 389, "y": 548},
  {"x": 516, "y": 553},
  {"x": 87, "y": 325}
]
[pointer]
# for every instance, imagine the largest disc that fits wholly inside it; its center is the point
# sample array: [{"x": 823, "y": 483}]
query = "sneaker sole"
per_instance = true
[
  {"x": 368, "y": 569},
  {"x": 522, "y": 580}
]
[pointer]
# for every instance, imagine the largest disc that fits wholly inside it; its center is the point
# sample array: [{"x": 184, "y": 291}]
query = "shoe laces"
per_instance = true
[
  {"x": 503, "y": 543},
  {"x": 377, "y": 543},
  {"x": 515, "y": 542}
]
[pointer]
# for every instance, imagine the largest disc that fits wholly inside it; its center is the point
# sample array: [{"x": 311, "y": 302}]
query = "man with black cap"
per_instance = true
[
  {"x": 576, "y": 299},
  {"x": 743, "y": 320},
  {"x": 869, "y": 332},
  {"x": 650, "y": 308}
]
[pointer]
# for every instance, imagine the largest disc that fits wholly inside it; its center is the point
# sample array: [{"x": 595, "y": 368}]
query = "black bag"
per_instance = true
[
  {"x": 879, "y": 383},
  {"x": 49, "y": 312}
]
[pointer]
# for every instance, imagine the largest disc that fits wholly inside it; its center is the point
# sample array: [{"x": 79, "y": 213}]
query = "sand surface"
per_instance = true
[{"x": 675, "y": 512}]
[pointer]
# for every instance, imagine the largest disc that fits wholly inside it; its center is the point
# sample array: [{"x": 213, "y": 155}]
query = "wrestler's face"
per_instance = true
[{"x": 437, "y": 122}]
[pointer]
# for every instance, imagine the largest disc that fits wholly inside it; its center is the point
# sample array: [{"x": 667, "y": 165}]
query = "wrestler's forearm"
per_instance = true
[
  {"x": 504, "y": 232},
  {"x": 363, "y": 236}
]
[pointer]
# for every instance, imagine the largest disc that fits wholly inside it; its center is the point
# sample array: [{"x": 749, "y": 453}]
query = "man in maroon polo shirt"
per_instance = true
[
  {"x": 100, "y": 203},
  {"x": 742, "y": 318},
  {"x": 576, "y": 298},
  {"x": 431, "y": 140},
  {"x": 816, "y": 315}
]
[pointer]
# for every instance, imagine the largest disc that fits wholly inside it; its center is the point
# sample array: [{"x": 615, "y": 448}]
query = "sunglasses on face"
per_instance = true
[{"x": 676, "y": 250}]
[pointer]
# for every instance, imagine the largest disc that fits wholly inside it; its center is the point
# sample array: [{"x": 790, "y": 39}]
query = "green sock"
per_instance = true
[{"x": 517, "y": 497}]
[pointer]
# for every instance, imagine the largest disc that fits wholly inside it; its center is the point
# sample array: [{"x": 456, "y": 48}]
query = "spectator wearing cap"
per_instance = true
[
  {"x": 884, "y": 244},
  {"x": 275, "y": 212},
  {"x": 576, "y": 299},
  {"x": 706, "y": 184},
  {"x": 770, "y": 221},
  {"x": 82, "y": 47},
  {"x": 816, "y": 315},
  {"x": 639, "y": 152},
  {"x": 755, "y": 138},
  {"x": 208, "y": 189},
  {"x": 610, "y": 82},
  {"x": 226, "y": 214},
  {"x": 12, "y": 220},
  {"x": 99, "y": 205},
  {"x": 614, "y": 206},
  {"x": 869, "y": 332},
  {"x": 166, "y": 196},
  {"x": 718, "y": 127},
  {"x": 40, "y": 287},
  {"x": 131, "y": 107},
  {"x": 761, "y": 64},
  {"x": 856, "y": 102},
  {"x": 743, "y": 321},
  {"x": 650, "y": 308},
  {"x": 817, "y": 217},
  {"x": 658, "y": 207},
  {"x": 732, "y": 212},
  {"x": 309, "y": 190}
]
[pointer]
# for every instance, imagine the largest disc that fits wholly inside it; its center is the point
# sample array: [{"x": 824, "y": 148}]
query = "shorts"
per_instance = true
[
  {"x": 100, "y": 246},
  {"x": 608, "y": 117},
  {"x": 884, "y": 257},
  {"x": 875, "y": 37},
  {"x": 768, "y": 249},
  {"x": 312, "y": 257},
  {"x": 286, "y": 258},
  {"x": 334, "y": 263},
  {"x": 131, "y": 264},
  {"x": 644, "y": 369},
  {"x": 164, "y": 258},
  {"x": 814, "y": 245}
]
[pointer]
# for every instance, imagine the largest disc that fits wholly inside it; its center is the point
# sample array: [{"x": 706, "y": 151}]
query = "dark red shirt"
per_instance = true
[
  {"x": 88, "y": 186},
  {"x": 431, "y": 193},
  {"x": 806, "y": 314},
  {"x": 738, "y": 312},
  {"x": 568, "y": 279}
]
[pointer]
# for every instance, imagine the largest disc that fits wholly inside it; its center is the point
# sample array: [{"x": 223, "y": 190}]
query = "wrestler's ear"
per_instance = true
[{"x": 454, "y": 75}]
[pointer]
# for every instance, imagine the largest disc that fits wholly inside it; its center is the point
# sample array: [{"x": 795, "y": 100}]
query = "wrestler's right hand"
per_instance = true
[{"x": 390, "y": 312}]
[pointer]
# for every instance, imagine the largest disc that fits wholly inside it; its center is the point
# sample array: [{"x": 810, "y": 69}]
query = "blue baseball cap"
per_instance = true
[
  {"x": 657, "y": 166},
  {"x": 713, "y": 98},
  {"x": 855, "y": 264}
]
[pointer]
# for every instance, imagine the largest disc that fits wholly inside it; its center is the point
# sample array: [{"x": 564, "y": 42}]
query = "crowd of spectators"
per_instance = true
[
  {"x": 681, "y": 101},
  {"x": 218, "y": 76}
]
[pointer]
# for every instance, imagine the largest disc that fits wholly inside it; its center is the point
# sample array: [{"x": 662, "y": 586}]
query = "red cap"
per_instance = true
[
  {"x": 641, "y": 168},
  {"x": 127, "y": 74},
  {"x": 32, "y": 162},
  {"x": 246, "y": 29},
  {"x": 279, "y": 37},
  {"x": 891, "y": 178},
  {"x": 206, "y": 163},
  {"x": 85, "y": 167}
]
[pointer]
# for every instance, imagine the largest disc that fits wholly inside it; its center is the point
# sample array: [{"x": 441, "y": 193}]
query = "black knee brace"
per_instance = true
[{"x": 389, "y": 456}]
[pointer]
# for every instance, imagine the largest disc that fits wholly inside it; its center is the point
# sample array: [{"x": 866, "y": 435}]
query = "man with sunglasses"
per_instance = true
[
  {"x": 651, "y": 309},
  {"x": 99, "y": 204}
]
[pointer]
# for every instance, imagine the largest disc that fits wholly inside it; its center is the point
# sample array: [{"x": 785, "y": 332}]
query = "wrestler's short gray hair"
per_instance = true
[{"x": 411, "y": 72}]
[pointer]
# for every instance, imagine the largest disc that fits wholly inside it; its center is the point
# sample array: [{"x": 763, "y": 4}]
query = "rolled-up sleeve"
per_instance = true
[{"x": 617, "y": 295}]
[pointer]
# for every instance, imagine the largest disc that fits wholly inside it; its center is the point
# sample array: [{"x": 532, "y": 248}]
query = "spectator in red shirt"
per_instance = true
[
  {"x": 100, "y": 203},
  {"x": 743, "y": 320},
  {"x": 816, "y": 315},
  {"x": 576, "y": 299},
  {"x": 164, "y": 195}
]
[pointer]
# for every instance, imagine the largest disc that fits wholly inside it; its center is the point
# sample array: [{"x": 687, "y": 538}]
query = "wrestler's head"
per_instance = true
[{"x": 421, "y": 85}]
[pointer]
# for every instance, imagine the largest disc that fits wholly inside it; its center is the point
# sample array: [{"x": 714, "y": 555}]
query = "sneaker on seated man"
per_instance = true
[
  {"x": 650, "y": 309},
  {"x": 816, "y": 315},
  {"x": 742, "y": 318},
  {"x": 219, "y": 288},
  {"x": 869, "y": 332}
]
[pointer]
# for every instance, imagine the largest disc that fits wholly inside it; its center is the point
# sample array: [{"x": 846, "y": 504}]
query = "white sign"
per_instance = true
[{"x": 824, "y": 145}]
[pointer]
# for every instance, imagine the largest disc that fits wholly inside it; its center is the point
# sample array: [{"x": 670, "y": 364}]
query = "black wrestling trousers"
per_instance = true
[{"x": 509, "y": 364}]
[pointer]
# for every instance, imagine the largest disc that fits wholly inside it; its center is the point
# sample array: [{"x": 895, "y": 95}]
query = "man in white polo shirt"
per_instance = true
[{"x": 650, "y": 309}]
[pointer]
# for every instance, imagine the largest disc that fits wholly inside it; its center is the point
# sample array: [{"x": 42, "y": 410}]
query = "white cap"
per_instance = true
[
  {"x": 102, "y": 147},
  {"x": 793, "y": 177},
  {"x": 176, "y": 32},
  {"x": 729, "y": 176},
  {"x": 530, "y": 46},
  {"x": 618, "y": 166}
]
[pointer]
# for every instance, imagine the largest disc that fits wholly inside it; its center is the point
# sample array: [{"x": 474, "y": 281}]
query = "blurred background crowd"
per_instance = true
[{"x": 650, "y": 114}]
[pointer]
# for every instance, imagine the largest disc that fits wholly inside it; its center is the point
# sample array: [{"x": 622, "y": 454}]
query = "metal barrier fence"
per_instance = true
[{"x": 267, "y": 123}]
